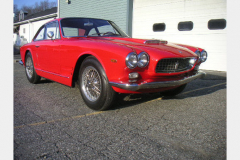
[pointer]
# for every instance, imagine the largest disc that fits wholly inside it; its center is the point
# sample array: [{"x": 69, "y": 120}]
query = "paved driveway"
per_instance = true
[{"x": 51, "y": 121}]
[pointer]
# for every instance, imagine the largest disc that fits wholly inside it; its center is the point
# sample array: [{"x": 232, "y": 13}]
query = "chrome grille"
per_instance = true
[{"x": 170, "y": 65}]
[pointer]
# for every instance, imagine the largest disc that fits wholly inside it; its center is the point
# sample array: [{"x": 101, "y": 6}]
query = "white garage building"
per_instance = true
[
  {"x": 27, "y": 26},
  {"x": 201, "y": 23}
]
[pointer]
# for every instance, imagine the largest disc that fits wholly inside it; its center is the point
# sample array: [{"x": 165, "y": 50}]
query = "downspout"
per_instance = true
[{"x": 58, "y": 9}]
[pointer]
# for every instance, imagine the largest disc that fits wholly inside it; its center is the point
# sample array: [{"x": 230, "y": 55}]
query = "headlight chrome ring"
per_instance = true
[
  {"x": 143, "y": 59},
  {"x": 131, "y": 60},
  {"x": 203, "y": 56},
  {"x": 198, "y": 53}
]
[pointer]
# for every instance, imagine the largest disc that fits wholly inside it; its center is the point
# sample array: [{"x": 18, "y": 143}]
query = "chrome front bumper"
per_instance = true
[{"x": 151, "y": 85}]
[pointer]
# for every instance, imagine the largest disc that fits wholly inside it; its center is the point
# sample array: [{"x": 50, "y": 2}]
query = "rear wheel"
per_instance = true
[
  {"x": 30, "y": 71},
  {"x": 93, "y": 84},
  {"x": 174, "y": 92}
]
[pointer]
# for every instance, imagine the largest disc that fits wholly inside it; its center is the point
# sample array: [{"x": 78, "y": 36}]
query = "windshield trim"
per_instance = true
[{"x": 121, "y": 33}]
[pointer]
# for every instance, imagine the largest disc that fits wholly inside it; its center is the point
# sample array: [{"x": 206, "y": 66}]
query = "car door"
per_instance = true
[
  {"x": 36, "y": 49},
  {"x": 49, "y": 49}
]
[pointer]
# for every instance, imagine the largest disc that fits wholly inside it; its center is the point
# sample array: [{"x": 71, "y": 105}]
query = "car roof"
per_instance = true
[{"x": 58, "y": 19}]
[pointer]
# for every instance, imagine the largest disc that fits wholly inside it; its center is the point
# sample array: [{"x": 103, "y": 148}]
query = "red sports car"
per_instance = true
[{"x": 104, "y": 60}]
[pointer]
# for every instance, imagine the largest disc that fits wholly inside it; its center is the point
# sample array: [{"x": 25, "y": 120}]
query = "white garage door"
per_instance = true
[{"x": 200, "y": 23}]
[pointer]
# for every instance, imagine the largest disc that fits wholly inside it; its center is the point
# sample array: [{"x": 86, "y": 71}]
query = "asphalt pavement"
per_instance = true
[{"x": 51, "y": 121}]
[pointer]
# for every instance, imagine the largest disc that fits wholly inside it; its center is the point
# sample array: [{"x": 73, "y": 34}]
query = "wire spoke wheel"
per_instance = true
[
  {"x": 94, "y": 86},
  {"x": 91, "y": 83},
  {"x": 29, "y": 67},
  {"x": 30, "y": 70}
]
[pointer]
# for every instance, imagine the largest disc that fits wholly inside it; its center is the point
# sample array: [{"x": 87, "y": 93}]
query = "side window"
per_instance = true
[
  {"x": 40, "y": 35},
  {"x": 53, "y": 27}
]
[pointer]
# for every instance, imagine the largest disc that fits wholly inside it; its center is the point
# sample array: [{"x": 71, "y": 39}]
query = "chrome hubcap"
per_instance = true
[
  {"x": 29, "y": 67},
  {"x": 91, "y": 83}
]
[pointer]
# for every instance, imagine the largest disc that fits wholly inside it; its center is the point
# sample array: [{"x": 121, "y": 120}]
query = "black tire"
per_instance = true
[
  {"x": 174, "y": 92},
  {"x": 94, "y": 86},
  {"x": 30, "y": 70}
]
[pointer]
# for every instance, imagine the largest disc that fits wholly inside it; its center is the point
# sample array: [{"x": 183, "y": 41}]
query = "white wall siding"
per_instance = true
[
  {"x": 24, "y": 31},
  {"x": 114, "y": 10},
  {"x": 171, "y": 12}
]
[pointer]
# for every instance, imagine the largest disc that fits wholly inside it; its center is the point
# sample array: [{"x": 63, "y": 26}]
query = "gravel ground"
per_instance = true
[{"x": 51, "y": 121}]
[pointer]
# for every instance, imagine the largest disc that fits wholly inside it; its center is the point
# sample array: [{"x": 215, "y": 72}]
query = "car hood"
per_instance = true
[{"x": 150, "y": 46}]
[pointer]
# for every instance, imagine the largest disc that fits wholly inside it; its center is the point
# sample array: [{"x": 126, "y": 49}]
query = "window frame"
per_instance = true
[
  {"x": 45, "y": 32},
  {"x": 44, "y": 35},
  {"x": 114, "y": 26},
  {"x": 39, "y": 30}
]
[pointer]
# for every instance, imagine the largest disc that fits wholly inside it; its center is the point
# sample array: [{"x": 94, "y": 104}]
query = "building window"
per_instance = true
[
  {"x": 214, "y": 24},
  {"x": 159, "y": 27},
  {"x": 24, "y": 30},
  {"x": 185, "y": 26}
]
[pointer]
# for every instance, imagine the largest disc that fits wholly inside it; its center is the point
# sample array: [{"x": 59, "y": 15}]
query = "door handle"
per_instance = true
[{"x": 37, "y": 46}]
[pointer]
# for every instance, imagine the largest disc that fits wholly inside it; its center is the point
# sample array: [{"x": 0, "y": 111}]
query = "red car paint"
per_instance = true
[{"x": 56, "y": 59}]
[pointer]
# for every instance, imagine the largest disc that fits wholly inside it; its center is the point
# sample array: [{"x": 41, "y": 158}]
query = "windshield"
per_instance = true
[{"x": 79, "y": 27}]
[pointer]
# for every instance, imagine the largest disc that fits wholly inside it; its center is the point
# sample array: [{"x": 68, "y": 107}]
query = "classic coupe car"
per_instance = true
[{"x": 104, "y": 60}]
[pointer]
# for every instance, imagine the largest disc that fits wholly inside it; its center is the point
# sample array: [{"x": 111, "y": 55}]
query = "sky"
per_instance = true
[{"x": 20, "y": 3}]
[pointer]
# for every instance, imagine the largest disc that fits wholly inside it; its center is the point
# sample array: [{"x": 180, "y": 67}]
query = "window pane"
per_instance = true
[
  {"x": 40, "y": 35},
  {"x": 185, "y": 26},
  {"x": 216, "y": 24},
  {"x": 53, "y": 27},
  {"x": 159, "y": 27}
]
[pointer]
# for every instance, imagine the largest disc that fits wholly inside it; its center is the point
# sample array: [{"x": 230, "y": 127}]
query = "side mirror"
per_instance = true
[{"x": 50, "y": 34}]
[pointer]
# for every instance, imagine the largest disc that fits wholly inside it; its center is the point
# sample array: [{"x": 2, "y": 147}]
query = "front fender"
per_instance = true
[{"x": 23, "y": 51}]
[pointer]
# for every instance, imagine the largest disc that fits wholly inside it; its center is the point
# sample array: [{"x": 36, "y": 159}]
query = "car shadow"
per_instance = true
[
  {"x": 44, "y": 81},
  {"x": 210, "y": 84}
]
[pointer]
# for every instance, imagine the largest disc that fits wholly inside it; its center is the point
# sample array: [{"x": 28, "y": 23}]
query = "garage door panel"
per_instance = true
[{"x": 171, "y": 12}]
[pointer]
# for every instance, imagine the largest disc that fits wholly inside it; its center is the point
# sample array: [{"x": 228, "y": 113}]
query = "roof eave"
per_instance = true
[{"x": 37, "y": 19}]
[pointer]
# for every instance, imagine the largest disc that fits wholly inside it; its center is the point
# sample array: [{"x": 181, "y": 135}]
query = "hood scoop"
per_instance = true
[{"x": 156, "y": 42}]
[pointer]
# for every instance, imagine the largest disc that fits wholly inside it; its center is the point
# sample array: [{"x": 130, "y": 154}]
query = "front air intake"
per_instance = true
[{"x": 171, "y": 65}]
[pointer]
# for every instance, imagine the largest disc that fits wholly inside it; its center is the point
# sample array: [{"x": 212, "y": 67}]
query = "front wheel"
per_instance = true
[{"x": 94, "y": 87}]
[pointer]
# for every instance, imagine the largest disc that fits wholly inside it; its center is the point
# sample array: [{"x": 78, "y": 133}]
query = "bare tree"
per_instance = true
[
  {"x": 28, "y": 9},
  {"x": 16, "y": 11},
  {"x": 37, "y": 7}
]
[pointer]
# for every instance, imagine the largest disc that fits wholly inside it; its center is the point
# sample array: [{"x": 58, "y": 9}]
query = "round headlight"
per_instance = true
[
  {"x": 203, "y": 56},
  {"x": 131, "y": 60},
  {"x": 143, "y": 59}
]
